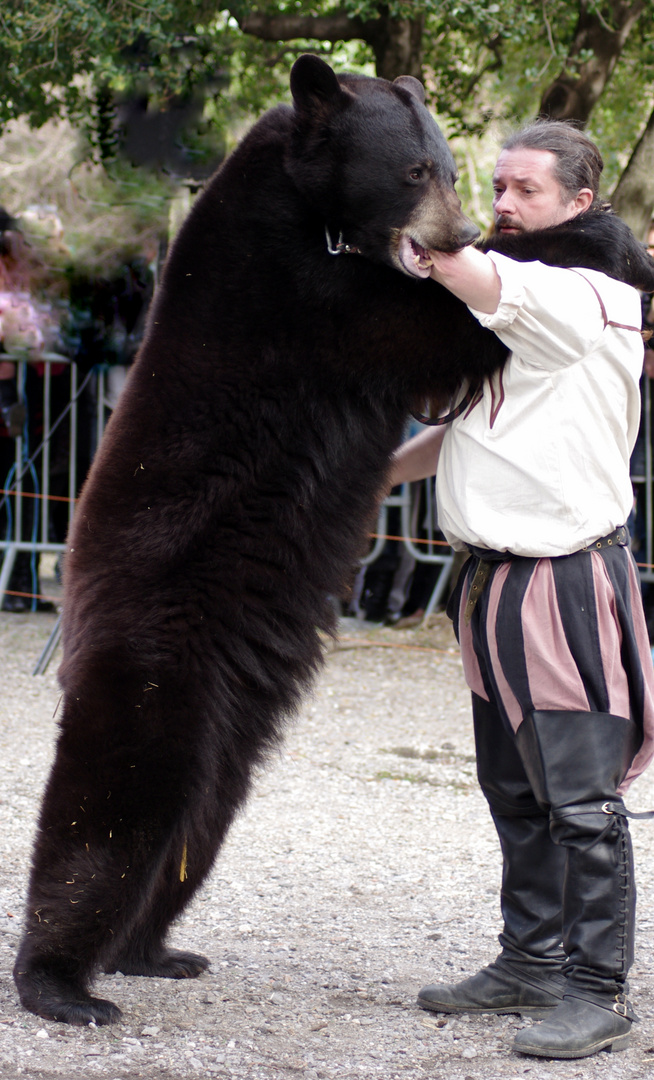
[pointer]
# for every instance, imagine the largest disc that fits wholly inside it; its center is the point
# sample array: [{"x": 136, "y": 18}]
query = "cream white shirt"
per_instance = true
[{"x": 539, "y": 465}]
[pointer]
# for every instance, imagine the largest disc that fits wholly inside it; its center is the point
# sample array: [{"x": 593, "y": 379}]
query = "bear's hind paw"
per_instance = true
[
  {"x": 55, "y": 998},
  {"x": 81, "y": 1013},
  {"x": 169, "y": 964}
]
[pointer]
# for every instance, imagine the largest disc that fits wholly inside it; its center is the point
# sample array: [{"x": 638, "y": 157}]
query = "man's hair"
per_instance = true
[{"x": 578, "y": 161}]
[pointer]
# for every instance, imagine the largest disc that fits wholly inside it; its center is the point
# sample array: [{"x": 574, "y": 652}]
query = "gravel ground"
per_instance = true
[{"x": 363, "y": 866}]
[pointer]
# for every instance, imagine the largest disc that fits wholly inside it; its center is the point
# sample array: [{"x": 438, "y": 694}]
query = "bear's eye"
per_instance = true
[{"x": 416, "y": 174}]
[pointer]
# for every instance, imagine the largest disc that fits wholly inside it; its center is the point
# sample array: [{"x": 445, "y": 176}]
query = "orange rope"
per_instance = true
[
  {"x": 32, "y": 495},
  {"x": 32, "y": 596},
  {"x": 412, "y": 539}
]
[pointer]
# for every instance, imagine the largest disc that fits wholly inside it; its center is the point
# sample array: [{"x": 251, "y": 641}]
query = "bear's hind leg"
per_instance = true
[
  {"x": 97, "y": 863},
  {"x": 190, "y": 857},
  {"x": 73, "y": 918},
  {"x": 116, "y": 921},
  {"x": 108, "y": 912}
]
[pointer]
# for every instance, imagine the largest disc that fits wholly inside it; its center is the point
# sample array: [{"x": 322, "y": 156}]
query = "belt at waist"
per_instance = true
[
  {"x": 487, "y": 556},
  {"x": 619, "y": 537}
]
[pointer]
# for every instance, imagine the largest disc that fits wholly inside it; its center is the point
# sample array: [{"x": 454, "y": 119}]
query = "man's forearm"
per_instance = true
[{"x": 417, "y": 458}]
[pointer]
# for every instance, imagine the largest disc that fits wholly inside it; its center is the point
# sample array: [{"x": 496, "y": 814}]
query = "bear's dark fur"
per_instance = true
[
  {"x": 597, "y": 239},
  {"x": 228, "y": 502}
]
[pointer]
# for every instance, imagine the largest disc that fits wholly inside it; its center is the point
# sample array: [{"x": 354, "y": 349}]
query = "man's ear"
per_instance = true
[{"x": 583, "y": 200}]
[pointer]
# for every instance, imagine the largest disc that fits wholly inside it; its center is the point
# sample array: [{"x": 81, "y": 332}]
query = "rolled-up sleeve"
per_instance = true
[{"x": 547, "y": 315}]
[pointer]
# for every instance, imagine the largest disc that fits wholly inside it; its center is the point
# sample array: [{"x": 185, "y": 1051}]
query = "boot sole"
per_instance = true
[
  {"x": 537, "y": 1012},
  {"x": 613, "y": 1045}
]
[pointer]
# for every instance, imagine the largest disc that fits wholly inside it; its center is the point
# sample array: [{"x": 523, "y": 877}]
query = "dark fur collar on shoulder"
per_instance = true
[{"x": 598, "y": 240}]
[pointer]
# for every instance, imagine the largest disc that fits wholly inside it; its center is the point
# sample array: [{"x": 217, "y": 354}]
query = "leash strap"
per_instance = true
[{"x": 437, "y": 421}]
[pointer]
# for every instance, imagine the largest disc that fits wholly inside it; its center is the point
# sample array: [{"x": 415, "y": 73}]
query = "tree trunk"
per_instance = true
[
  {"x": 396, "y": 43},
  {"x": 633, "y": 197},
  {"x": 577, "y": 89}
]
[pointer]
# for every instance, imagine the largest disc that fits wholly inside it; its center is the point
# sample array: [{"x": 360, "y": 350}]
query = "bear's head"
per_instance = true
[{"x": 370, "y": 159}]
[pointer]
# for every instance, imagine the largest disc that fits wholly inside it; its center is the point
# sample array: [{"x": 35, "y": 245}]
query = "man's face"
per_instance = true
[{"x": 527, "y": 195}]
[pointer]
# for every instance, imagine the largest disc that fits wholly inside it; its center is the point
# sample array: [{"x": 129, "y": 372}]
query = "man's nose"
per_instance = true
[{"x": 504, "y": 204}]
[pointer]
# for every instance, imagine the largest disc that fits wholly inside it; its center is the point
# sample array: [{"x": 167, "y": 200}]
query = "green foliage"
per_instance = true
[
  {"x": 487, "y": 66},
  {"x": 482, "y": 58},
  {"x": 260, "y": 73},
  {"x": 486, "y": 63},
  {"x": 53, "y": 52},
  {"x": 494, "y": 60}
]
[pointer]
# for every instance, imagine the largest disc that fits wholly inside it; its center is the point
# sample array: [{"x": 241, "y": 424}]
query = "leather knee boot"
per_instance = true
[
  {"x": 575, "y": 762},
  {"x": 526, "y": 976}
]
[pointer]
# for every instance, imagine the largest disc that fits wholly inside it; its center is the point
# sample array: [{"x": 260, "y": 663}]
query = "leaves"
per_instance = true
[
  {"x": 482, "y": 61},
  {"x": 51, "y": 51}
]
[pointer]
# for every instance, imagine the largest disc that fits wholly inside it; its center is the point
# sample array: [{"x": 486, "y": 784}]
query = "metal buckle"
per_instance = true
[
  {"x": 341, "y": 247},
  {"x": 621, "y": 1005},
  {"x": 607, "y": 808}
]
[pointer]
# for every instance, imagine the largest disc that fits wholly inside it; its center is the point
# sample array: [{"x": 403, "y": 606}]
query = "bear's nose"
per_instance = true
[{"x": 467, "y": 234}]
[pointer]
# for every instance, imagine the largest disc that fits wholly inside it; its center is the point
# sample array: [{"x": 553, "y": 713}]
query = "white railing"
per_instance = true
[{"x": 27, "y": 499}]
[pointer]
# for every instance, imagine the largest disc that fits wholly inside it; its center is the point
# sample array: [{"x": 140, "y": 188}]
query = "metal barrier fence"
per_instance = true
[
  {"x": 28, "y": 498},
  {"x": 43, "y": 467},
  {"x": 418, "y": 516}
]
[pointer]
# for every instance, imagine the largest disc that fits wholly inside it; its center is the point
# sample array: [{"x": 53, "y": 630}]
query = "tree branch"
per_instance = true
[
  {"x": 335, "y": 27},
  {"x": 396, "y": 43},
  {"x": 576, "y": 90}
]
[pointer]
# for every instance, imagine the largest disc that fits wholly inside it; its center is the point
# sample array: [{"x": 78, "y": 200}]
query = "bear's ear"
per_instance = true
[
  {"x": 313, "y": 83},
  {"x": 414, "y": 86}
]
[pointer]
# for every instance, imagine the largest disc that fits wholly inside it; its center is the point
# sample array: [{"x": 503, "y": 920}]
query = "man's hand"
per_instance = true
[{"x": 470, "y": 275}]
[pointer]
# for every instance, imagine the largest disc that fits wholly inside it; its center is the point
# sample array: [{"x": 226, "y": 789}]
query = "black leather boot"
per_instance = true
[
  {"x": 526, "y": 976},
  {"x": 575, "y": 762},
  {"x": 520, "y": 985}
]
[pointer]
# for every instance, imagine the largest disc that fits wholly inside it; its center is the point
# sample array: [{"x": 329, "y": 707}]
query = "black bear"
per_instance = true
[{"x": 291, "y": 335}]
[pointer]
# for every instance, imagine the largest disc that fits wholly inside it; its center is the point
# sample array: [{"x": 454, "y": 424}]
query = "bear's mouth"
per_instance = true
[{"x": 413, "y": 257}]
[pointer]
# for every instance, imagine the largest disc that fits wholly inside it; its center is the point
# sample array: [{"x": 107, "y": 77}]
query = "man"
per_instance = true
[{"x": 533, "y": 478}]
